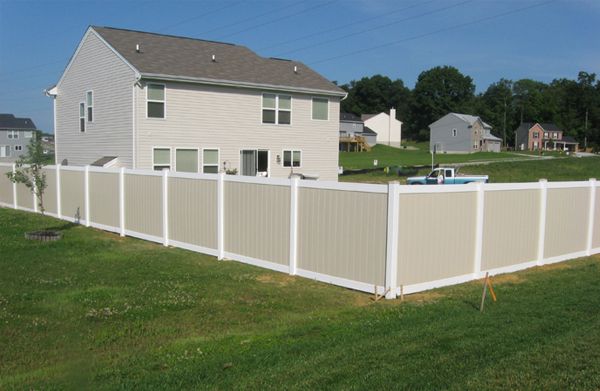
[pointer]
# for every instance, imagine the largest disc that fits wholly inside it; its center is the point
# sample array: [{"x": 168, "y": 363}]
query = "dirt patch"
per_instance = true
[
  {"x": 423, "y": 297},
  {"x": 556, "y": 266},
  {"x": 506, "y": 278},
  {"x": 278, "y": 279}
]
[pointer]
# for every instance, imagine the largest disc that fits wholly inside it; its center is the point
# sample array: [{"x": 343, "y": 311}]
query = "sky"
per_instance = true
[{"x": 343, "y": 40}]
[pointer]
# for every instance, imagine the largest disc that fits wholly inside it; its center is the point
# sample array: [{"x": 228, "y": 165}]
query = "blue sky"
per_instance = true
[{"x": 343, "y": 39}]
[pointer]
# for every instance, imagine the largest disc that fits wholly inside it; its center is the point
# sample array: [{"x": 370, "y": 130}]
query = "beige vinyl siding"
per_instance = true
[
  {"x": 436, "y": 237},
  {"x": 95, "y": 68},
  {"x": 143, "y": 214},
  {"x": 104, "y": 198},
  {"x": 50, "y": 191},
  {"x": 6, "y": 186},
  {"x": 24, "y": 197},
  {"x": 566, "y": 221},
  {"x": 230, "y": 119},
  {"x": 193, "y": 211},
  {"x": 72, "y": 194},
  {"x": 257, "y": 221},
  {"x": 510, "y": 227},
  {"x": 596, "y": 232},
  {"x": 342, "y": 234}
]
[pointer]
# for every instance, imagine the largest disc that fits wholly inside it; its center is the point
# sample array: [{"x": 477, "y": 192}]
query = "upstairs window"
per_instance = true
[
  {"x": 453, "y": 132},
  {"x": 28, "y": 134},
  {"x": 161, "y": 159},
  {"x": 82, "y": 117},
  {"x": 276, "y": 109},
  {"x": 536, "y": 134},
  {"x": 155, "y": 97},
  {"x": 210, "y": 161},
  {"x": 89, "y": 99},
  {"x": 13, "y": 134},
  {"x": 320, "y": 109},
  {"x": 292, "y": 158}
]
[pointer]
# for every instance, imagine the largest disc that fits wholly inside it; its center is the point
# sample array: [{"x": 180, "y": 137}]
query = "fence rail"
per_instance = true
[{"x": 361, "y": 236}]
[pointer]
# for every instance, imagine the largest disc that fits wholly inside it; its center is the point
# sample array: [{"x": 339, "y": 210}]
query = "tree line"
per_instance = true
[{"x": 573, "y": 105}]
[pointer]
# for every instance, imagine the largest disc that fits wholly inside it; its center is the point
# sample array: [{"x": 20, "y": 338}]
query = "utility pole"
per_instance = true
[
  {"x": 586, "y": 130},
  {"x": 504, "y": 127}
]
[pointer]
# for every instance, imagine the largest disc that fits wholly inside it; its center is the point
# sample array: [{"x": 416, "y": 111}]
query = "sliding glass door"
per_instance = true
[{"x": 254, "y": 162}]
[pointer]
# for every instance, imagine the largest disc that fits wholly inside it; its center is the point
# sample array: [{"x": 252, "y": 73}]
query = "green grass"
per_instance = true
[
  {"x": 389, "y": 156},
  {"x": 95, "y": 311},
  {"x": 559, "y": 169}
]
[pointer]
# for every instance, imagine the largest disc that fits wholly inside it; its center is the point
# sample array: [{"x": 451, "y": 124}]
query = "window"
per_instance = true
[
  {"x": 320, "y": 108},
  {"x": 555, "y": 135},
  {"x": 536, "y": 134},
  {"x": 18, "y": 147},
  {"x": 453, "y": 132},
  {"x": 161, "y": 159},
  {"x": 89, "y": 98},
  {"x": 545, "y": 134},
  {"x": 276, "y": 109},
  {"x": 210, "y": 161},
  {"x": 448, "y": 173},
  {"x": 186, "y": 160},
  {"x": 28, "y": 134},
  {"x": 155, "y": 96},
  {"x": 292, "y": 158},
  {"x": 4, "y": 150},
  {"x": 14, "y": 134},
  {"x": 82, "y": 117}
]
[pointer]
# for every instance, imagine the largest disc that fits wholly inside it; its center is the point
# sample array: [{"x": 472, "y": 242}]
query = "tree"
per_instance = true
[
  {"x": 439, "y": 91},
  {"x": 29, "y": 169},
  {"x": 530, "y": 101},
  {"x": 495, "y": 106}
]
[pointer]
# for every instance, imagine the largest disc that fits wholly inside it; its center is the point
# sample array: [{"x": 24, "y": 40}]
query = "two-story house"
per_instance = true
[
  {"x": 151, "y": 101},
  {"x": 354, "y": 135},
  {"x": 387, "y": 127},
  {"x": 462, "y": 133},
  {"x": 535, "y": 136},
  {"x": 15, "y": 135}
]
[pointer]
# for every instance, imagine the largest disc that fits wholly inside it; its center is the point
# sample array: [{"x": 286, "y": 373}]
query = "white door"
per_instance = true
[{"x": 4, "y": 150}]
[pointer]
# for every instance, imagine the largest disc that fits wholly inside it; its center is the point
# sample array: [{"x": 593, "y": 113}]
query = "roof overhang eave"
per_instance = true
[{"x": 240, "y": 84}]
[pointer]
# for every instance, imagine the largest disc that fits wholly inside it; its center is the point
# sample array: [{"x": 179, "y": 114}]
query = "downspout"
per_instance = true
[
  {"x": 134, "y": 124},
  {"x": 53, "y": 92}
]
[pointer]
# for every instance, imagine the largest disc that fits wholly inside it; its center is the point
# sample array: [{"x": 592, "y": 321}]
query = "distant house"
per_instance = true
[
  {"x": 462, "y": 133},
  {"x": 151, "y": 101},
  {"x": 15, "y": 135},
  {"x": 354, "y": 135},
  {"x": 387, "y": 127},
  {"x": 534, "y": 136}
]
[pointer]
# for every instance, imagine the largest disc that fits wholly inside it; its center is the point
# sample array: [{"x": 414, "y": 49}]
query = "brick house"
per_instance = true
[{"x": 545, "y": 136}]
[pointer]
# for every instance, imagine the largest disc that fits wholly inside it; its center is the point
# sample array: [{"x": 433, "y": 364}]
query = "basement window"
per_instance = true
[{"x": 155, "y": 97}]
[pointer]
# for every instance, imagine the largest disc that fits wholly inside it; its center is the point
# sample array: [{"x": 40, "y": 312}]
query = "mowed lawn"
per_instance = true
[{"x": 95, "y": 311}]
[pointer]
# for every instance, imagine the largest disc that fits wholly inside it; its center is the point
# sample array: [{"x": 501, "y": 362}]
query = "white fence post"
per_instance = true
[
  {"x": 542, "y": 227},
  {"x": 165, "y": 204},
  {"x": 220, "y": 216},
  {"x": 15, "y": 203},
  {"x": 293, "y": 225},
  {"x": 479, "y": 230},
  {"x": 122, "y": 201},
  {"x": 33, "y": 190},
  {"x": 393, "y": 225},
  {"x": 58, "y": 194},
  {"x": 86, "y": 193},
  {"x": 590, "y": 233}
]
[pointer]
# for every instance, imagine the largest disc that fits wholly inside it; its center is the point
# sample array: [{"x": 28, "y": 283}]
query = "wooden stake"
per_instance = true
[
  {"x": 484, "y": 291},
  {"x": 401, "y": 292},
  {"x": 489, "y": 284}
]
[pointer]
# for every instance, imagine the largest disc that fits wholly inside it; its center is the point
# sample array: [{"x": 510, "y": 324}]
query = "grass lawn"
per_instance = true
[
  {"x": 389, "y": 156},
  {"x": 103, "y": 312},
  {"x": 560, "y": 169}
]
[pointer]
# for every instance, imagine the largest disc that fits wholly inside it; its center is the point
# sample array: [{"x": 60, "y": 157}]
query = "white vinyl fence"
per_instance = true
[{"x": 391, "y": 238}]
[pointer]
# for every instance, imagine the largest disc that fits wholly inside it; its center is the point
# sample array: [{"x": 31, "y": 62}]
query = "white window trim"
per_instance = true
[
  {"x": 312, "y": 101},
  {"x": 170, "y": 156},
  {"x": 256, "y": 149},
  {"x": 13, "y": 134},
  {"x": 164, "y": 101},
  {"x": 80, "y": 117},
  {"x": 454, "y": 132},
  {"x": 292, "y": 162},
  {"x": 9, "y": 150},
  {"x": 20, "y": 147},
  {"x": 276, "y": 108},
  {"x": 187, "y": 149},
  {"x": 26, "y": 132},
  {"x": 201, "y": 161},
  {"x": 88, "y": 107}
]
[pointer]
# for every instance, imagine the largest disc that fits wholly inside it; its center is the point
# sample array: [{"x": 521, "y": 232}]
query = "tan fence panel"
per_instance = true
[
  {"x": 510, "y": 227},
  {"x": 436, "y": 236},
  {"x": 596, "y": 232},
  {"x": 6, "y": 186},
  {"x": 143, "y": 204},
  {"x": 50, "y": 191},
  {"x": 257, "y": 221},
  {"x": 72, "y": 194},
  {"x": 567, "y": 216},
  {"x": 343, "y": 234},
  {"x": 24, "y": 197},
  {"x": 104, "y": 198},
  {"x": 193, "y": 211}
]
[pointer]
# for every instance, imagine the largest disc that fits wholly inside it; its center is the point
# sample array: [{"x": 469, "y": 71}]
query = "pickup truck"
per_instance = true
[{"x": 445, "y": 176}]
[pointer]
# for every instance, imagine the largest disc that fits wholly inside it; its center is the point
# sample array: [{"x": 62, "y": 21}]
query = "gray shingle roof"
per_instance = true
[
  {"x": 349, "y": 117},
  {"x": 9, "y": 121},
  {"x": 191, "y": 58}
]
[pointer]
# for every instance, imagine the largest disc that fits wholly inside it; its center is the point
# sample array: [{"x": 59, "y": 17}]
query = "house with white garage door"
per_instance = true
[{"x": 151, "y": 101}]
